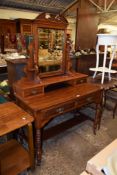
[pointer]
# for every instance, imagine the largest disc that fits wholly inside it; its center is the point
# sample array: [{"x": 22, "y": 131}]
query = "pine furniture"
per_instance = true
[{"x": 14, "y": 158}]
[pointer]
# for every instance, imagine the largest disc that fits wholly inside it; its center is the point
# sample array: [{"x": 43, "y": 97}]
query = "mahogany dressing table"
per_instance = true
[{"x": 38, "y": 92}]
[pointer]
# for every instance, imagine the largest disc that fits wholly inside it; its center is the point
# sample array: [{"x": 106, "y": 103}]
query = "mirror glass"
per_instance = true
[{"x": 51, "y": 45}]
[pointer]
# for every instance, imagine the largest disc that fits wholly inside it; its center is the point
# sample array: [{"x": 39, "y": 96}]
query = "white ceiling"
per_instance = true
[{"x": 107, "y": 19}]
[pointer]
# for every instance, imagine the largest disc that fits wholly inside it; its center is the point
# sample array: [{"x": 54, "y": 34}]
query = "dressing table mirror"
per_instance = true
[
  {"x": 49, "y": 63},
  {"x": 50, "y": 44},
  {"x": 51, "y": 48}
]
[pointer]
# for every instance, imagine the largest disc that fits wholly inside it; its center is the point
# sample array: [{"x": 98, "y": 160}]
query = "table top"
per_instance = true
[
  {"x": 59, "y": 96},
  {"x": 12, "y": 117},
  {"x": 106, "y": 85}
]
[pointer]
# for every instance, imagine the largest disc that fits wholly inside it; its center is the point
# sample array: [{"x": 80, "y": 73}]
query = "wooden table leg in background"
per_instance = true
[
  {"x": 31, "y": 145},
  {"x": 97, "y": 119},
  {"x": 38, "y": 145}
]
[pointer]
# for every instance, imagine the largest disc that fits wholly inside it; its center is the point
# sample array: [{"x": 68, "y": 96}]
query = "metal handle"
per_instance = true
[{"x": 60, "y": 110}]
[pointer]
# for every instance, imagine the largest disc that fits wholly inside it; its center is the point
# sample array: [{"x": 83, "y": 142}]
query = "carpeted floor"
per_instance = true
[{"x": 68, "y": 152}]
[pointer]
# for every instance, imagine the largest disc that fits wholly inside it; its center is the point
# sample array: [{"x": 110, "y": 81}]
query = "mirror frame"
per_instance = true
[{"x": 50, "y": 21}]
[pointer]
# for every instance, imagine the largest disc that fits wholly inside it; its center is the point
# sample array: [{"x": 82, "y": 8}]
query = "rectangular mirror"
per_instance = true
[{"x": 51, "y": 47}]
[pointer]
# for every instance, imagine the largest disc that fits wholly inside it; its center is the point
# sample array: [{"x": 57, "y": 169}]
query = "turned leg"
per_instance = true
[
  {"x": 38, "y": 146},
  {"x": 97, "y": 119}
]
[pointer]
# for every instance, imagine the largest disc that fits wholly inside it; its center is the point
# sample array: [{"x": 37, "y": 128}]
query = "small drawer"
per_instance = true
[
  {"x": 94, "y": 97},
  {"x": 33, "y": 91},
  {"x": 58, "y": 110},
  {"x": 79, "y": 81}
]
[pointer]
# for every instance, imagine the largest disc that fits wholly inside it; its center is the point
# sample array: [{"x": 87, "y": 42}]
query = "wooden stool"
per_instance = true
[{"x": 13, "y": 157}]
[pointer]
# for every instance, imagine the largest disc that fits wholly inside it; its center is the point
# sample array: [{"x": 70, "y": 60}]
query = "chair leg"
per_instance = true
[{"x": 114, "y": 110}]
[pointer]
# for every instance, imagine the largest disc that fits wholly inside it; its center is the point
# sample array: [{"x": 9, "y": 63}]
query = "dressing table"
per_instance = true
[{"x": 47, "y": 93}]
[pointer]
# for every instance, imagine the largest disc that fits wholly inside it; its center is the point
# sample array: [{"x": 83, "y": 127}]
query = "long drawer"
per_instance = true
[
  {"x": 49, "y": 113},
  {"x": 59, "y": 109},
  {"x": 91, "y": 98}
]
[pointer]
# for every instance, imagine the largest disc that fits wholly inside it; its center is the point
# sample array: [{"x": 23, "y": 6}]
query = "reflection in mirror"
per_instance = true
[{"x": 51, "y": 43}]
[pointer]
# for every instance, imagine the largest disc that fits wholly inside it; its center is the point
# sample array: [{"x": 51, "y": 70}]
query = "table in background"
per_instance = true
[
  {"x": 105, "y": 40},
  {"x": 13, "y": 157}
]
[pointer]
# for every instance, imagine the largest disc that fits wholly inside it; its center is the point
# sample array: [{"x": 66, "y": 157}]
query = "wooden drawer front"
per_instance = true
[
  {"x": 51, "y": 112},
  {"x": 32, "y": 92},
  {"x": 26, "y": 29},
  {"x": 95, "y": 97},
  {"x": 79, "y": 81}
]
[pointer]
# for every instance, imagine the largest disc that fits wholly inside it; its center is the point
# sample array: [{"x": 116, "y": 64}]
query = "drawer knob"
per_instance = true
[
  {"x": 89, "y": 99},
  {"x": 34, "y": 92},
  {"x": 60, "y": 110}
]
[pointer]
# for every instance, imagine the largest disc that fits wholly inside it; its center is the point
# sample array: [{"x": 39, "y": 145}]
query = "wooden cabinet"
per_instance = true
[
  {"x": 24, "y": 26},
  {"x": 86, "y": 16},
  {"x": 84, "y": 62},
  {"x": 7, "y": 26},
  {"x": 15, "y": 69}
]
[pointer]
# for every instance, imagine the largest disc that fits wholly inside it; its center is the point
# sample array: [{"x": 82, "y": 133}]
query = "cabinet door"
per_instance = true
[
  {"x": 26, "y": 29},
  {"x": 7, "y": 26}
]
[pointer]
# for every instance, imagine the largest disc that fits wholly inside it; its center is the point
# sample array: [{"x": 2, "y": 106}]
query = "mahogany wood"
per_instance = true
[
  {"x": 56, "y": 93},
  {"x": 15, "y": 69},
  {"x": 60, "y": 101},
  {"x": 28, "y": 89},
  {"x": 24, "y": 26},
  {"x": 86, "y": 36},
  {"x": 7, "y": 26},
  {"x": 53, "y": 22}
]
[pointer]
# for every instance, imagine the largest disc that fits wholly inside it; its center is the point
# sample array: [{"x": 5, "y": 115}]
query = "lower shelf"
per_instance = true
[
  {"x": 100, "y": 69},
  {"x": 13, "y": 158}
]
